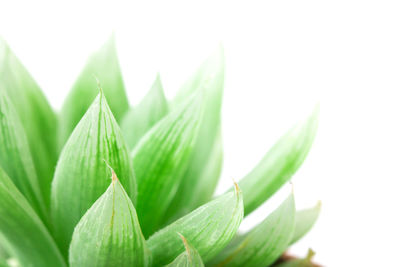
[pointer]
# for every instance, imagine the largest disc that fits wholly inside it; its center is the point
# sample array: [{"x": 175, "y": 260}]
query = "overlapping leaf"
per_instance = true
[
  {"x": 139, "y": 119},
  {"x": 161, "y": 159},
  {"x": 23, "y": 233},
  {"x": 105, "y": 66},
  {"x": 109, "y": 233},
  {"x": 305, "y": 220},
  {"x": 204, "y": 169},
  {"x": 15, "y": 156},
  {"x": 189, "y": 258},
  {"x": 37, "y": 117},
  {"x": 209, "y": 228},
  {"x": 264, "y": 243},
  {"x": 279, "y": 164},
  {"x": 80, "y": 175}
]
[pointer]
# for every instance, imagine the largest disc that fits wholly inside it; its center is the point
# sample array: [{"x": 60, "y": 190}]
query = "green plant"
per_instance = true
[{"x": 167, "y": 156}]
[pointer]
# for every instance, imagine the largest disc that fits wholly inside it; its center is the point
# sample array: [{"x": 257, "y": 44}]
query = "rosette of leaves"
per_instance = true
[{"x": 59, "y": 207}]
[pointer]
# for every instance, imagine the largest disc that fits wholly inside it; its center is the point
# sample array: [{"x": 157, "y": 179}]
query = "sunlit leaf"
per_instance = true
[
  {"x": 262, "y": 245},
  {"x": 306, "y": 262},
  {"x": 80, "y": 177},
  {"x": 139, "y": 119},
  {"x": 109, "y": 233},
  {"x": 104, "y": 66},
  {"x": 161, "y": 159},
  {"x": 189, "y": 258},
  {"x": 279, "y": 164},
  {"x": 305, "y": 220},
  {"x": 15, "y": 156},
  {"x": 209, "y": 229},
  {"x": 23, "y": 234},
  {"x": 36, "y": 115},
  {"x": 204, "y": 170}
]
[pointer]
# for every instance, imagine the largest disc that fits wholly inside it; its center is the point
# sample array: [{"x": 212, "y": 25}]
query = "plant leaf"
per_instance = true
[
  {"x": 109, "y": 233},
  {"x": 139, "y": 119},
  {"x": 189, "y": 258},
  {"x": 262, "y": 245},
  {"x": 80, "y": 175},
  {"x": 209, "y": 228},
  {"x": 279, "y": 164},
  {"x": 104, "y": 65},
  {"x": 23, "y": 234},
  {"x": 36, "y": 115},
  {"x": 305, "y": 220},
  {"x": 15, "y": 156},
  {"x": 306, "y": 262},
  {"x": 204, "y": 169},
  {"x": 160, "y": 161}
]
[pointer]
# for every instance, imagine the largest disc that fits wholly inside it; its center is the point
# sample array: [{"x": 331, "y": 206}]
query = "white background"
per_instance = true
[{"x": 282, "y": 57}]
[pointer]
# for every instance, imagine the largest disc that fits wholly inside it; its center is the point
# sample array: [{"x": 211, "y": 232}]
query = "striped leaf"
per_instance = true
[
  {"x": 80, "y": 177},
  {"x": 189, "y": 258},
  {"x": 109, "y": 233},
  {"x": 36, "y": 115},
  {"x": 209, "y": 228},
  {"x": 264, "y": 244},
  {"x": 139, "y": 119},
  {"x": 104, "y": 65},
  {"x": 23, "y": 234},
  {"x": 305, "y": 220}
]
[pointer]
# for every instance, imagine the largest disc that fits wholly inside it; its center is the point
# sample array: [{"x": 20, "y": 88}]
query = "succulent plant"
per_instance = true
[{"x": 59, "y": 207}]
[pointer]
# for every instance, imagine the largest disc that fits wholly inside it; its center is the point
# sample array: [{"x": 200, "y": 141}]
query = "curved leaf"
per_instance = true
[
  {"x": 139, "y": 119},
  {"x": 105, "y": 66},
  {"x": 15, "y": 157},
  {"x": 80, "y": 175},
  {"x": 36, "y": 115},
  {"x": 279, "y": 164},
  {"x": 264, "y": 243},
  {"x": 160, "y": 160},
  {"x": 23, "y": 234},
  {"x": 209, "y": 228},
  {"x": 305, "y": 220},
  {"x": 189, "y": 258},
  {"x": 109, "y": 233},
  {"x": 204, "y": 169}
]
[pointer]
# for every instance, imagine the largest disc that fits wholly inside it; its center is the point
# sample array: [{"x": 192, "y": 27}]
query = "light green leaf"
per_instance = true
[
  {"x": 305, "y": 220},
  {"x": 160, "y": 160},
  {"x": 104, "y": 65},
  {"x": 139, "y": 119},
  {"x": 189, "y": 258},
  {"x": 306, "y": 262},
  {"x": 35, "y": 113},
  {"x": 265, "y": 242},
  {"x": 109, "y": 233},
  {"x": 209, "y": 228},
  {"x": 279, "y": 164},
  {"x": 15, "y": 156},
  {"x": 204, "y": 170},
  {"x": 23, "y": 234},
  {"x": 80, "y": 177}
]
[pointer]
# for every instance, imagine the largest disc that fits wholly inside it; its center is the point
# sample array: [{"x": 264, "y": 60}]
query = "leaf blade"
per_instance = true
[
  {"x": 25, "y": 236},
  {"x": 109, "y": 233},
  {"x": 189, "y": 258},
  {"x": 305, "y": 220}
]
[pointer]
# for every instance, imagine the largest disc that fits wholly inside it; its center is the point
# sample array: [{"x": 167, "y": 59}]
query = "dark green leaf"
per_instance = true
[
  {"x": 160, "y": 160},
  {"x": 204, "y": 169},
  {"x": 23, "y": 234},
  {"x": 36, "y": 115},
  {"x": 80, "y": 177},
  {"x": 15, "y": 156},
  {"x": 209, "y": 228},
  {"x": 189, "y": 258},
  {"x": 105, "y": 66},
  {"x": 139, "y": 119},
  {"x": 305, "y": 220},
  {"x": 279, "y": 164},
  {"x": 265, "y": 242},
  {"x": 109, "y": 233}
]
